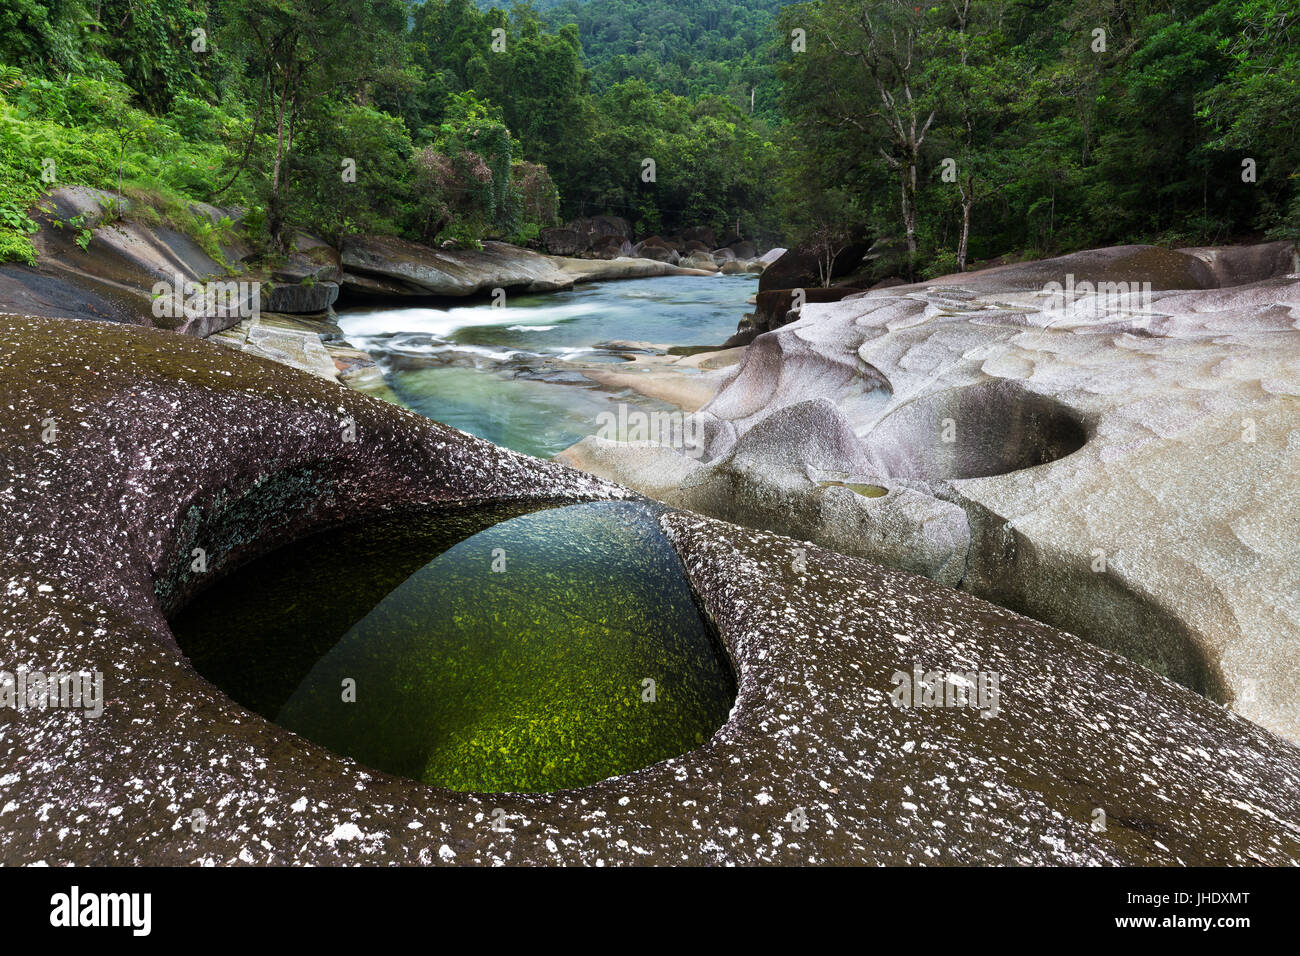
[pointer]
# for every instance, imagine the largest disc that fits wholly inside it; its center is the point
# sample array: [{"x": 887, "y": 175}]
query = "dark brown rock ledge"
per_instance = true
[{"x": 164, "y": 443}]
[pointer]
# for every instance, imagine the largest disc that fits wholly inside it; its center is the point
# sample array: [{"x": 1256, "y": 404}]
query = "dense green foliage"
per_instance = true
[
  {"x": 1055, "y": 142},
  {"x": 434, "y": 120},
  {"x": 687, "y": 47},
  {"x": 712, "y": 161},
  {"x": 960, "y": 131}
]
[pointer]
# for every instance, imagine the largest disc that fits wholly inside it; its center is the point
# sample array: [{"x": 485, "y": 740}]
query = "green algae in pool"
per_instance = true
[
  {"x": 866, "y": 491},
  {"x": 502, "y": 649}
]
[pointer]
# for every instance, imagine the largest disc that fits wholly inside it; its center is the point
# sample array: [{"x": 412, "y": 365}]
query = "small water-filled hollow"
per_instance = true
[{"x": 501, "y": 648}]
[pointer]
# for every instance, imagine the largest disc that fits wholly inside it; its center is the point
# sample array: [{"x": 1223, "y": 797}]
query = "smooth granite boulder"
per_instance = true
[
  {"x": 658, "y": 253},
  {"x": 1160, "y": 268},
  {"x": 300, "y": 298},
  {"x": 700, "y": 261},
  {"x": 1122, "y": 435},
  {"x": 1238, "y": 265},
  {"x": 387, "y": 267},
  {"x": 162, "y": 444},
  {"x": 764, "y": 481},
  {"x": 114, "y": 277}
]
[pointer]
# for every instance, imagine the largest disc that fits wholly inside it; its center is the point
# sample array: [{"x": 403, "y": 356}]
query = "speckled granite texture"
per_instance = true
[{"x": 164, "y": 443}]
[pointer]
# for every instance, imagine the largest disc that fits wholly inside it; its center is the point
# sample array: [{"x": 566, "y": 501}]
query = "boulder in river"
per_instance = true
[
  {"x": 801, "y": 268},
  {"x": 386, "y": 267},
  {"x": 701, "y": 234},
  {"x": 656, "y": 251},
  {"x": 300, "y": 298},
  {"x": 700, "y": 260},
  {"x": 563, "y": 241},
  {"x": 593, "y": 236}
]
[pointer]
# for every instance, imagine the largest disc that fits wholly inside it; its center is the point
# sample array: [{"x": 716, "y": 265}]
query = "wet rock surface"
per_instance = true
[
  {"x": 313, "y": 345},
  {"x": 165, "y": 444},
  {"x": 1125, "y": 460},
  {"x": 113, "y": 277},
  {"x": 116, "y": 276},
  {"x": 386, "y": 267}
]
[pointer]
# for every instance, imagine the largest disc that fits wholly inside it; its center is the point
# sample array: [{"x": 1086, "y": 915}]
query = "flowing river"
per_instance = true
[{"x": 515, "y": 374}]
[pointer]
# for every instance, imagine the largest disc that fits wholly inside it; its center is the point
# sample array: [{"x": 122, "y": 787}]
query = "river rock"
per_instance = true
[
  {"x": 763, "y": 481},
  {"x": 310, "y": 259},
  {"x": 1161, "y": 269},
  {"x": 594, "y": 236},
  {"x": 597, "y": 228},
  {"x": 1126, "y": 467},
  {"x": 299, "y": 298},
  {"x": 289, "y": 340},
  {"x": 562, "y": 241},
  {"x": 658, "y": 253},
  {"x": 775, "y": 307},
  {"x": 611, "y": 247},
  {"x": 388, "y": 267},
  {"x": 1238, "y": 265},
  {"x": 801, "y": 268},
  {"x": 114, "y": 277},
  {"x": 700, "y": 261},
  {"x": 701, "y": 234},
  {"x": 167, "y": 443}
]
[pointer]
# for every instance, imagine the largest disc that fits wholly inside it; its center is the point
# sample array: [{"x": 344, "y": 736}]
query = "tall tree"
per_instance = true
[
  {"x": 293, "y": 56},
  {"x": 973, "y": 84},
  {"x": 863, "y": 70}
]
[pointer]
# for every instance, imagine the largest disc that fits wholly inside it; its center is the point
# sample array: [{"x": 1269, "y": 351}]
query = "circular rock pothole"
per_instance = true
[
  {"x": 976, "y": 431},
  {"x": 491, "y": 649}
]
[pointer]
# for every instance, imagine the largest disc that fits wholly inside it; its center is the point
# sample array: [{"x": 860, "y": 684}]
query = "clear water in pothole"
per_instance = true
[{"x": 511, "y": 648}]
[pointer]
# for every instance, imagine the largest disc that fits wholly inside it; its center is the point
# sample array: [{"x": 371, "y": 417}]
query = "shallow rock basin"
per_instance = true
[{"x": 499, "y": 648}]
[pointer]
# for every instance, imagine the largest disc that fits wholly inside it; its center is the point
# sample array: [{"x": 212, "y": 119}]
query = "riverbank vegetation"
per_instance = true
[{"x": 946, "y": 132}]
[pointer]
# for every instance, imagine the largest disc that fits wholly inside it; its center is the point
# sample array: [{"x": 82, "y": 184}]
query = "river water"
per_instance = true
[{"x": 513, "y": 373}]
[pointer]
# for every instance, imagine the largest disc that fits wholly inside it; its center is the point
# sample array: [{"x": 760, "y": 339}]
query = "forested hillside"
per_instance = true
[
  {"x": 958, "y": 131},
  {"x": 722, "y": 47},
  {"x": 973, "y": 129}
]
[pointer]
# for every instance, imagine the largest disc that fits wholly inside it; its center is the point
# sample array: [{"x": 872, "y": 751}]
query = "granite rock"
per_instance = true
[
  {"x": 1126, "y": 462},
  {"x": 165, "y": 443}
]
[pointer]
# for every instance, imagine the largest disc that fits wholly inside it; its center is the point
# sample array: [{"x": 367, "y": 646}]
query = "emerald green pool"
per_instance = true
[{"x": 499, "y": 649}]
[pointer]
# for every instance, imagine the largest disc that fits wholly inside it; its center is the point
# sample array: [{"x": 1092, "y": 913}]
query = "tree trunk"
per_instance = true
[
  {"x": 908, "y": 176},
  {"x": 967, "y": 203},
  {"x": 275, "y": 215},
  {"x": 963, "y": 245}
]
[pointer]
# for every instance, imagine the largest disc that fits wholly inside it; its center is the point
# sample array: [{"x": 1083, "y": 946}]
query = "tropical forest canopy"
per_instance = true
[{"x": 955, "y": 131}]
